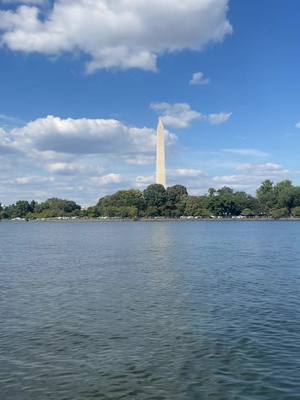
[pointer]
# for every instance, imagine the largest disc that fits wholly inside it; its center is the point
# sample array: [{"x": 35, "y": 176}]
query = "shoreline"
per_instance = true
[{"x": 158, "y": 219}]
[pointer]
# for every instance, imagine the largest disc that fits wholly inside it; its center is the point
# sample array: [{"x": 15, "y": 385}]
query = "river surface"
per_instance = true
[{"x": 150, "y": 310}]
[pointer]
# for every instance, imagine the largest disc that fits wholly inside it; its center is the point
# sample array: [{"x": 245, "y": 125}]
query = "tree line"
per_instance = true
[
  {"x": 281, "y": 200},
  {"x": 51, "y": 208}
]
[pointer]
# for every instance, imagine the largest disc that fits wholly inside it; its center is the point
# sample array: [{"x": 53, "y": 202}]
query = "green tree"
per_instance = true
[
  {"x": 285, "y": 194},
  {"x": 266, "y": 196},
  {"x": 211, "y": 192},
  {"x": 127, "y": 212},
  {"x": 247, "y": 212},
  {"x": 155, "y": 196},
  {"x": 175, "y": 204},
  {"x": 278, "y": 213},
  {"x": 245, "y": 201},
  {"x": 223, "y": 203},
  {"x": 296, "y": 212},
  {"x": 91, "y": 212},
  {"x": 175, "y": 194},
  {"x": 152, "y": 212},
  {"x": 18, "y": 210},
  {"x": 124, "y": 199},
  {"x": 296, "y": 196},
  {"x": 55, "y": 207},
  {"x": 197, "y": 206}
]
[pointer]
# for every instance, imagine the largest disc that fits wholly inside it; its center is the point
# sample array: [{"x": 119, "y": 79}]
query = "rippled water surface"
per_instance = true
[{"x": 150, "y": 310}]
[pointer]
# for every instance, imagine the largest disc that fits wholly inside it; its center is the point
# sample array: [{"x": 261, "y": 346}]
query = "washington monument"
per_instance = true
[{"x": 160, "y": 155}]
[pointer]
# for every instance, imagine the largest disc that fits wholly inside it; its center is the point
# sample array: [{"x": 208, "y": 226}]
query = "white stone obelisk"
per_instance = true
[{"x": 160, "y": 155}]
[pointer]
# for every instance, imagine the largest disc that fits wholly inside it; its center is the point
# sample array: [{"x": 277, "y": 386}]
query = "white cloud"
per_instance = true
[
  {"x": 266, "y": 169},
  {"x": 109, "y": 179},
  {"x": 62, "y": 168},
  {"x": 6, "y": 144},
  {"x": 186, "y": 172},
  {"x": 83, "y": 136},
  {"x": 142, "y": 159},
  {"x": 228, "y": 179},
  {"x": 29, "y": 180},
  {"x": 116, "y": 33},
  {"x": 181, "y": 115},
  {"x": 219, "y": 118},
  {"x": 178, "y": 115},
  {"x": 251, "y": 175},
  {"x": 247, "y": 152},
  {"x": 145, "y": 180},
  {"x": 199, "y": 79},
  {"x": 84, "y": 159},
  {"x": 65, "y": 168},
  {"x": 298, "y": 125},
  {"x": 74, "y": 153},
  {"x": 6, "y": 149},
  {"x": 236, "y": 181},
  {"x": 239, "y": 181}
]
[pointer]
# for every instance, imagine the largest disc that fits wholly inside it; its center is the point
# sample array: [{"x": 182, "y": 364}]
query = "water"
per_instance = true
[{"x": 150, "y": 310}]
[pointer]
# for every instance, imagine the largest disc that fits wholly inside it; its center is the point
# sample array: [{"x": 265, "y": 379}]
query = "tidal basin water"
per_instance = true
[{"x": 150, "y": 310}]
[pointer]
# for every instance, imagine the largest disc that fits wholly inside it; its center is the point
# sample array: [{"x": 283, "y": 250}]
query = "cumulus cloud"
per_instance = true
[
  {"x": 84, "y": 136},
  {"x": 251, "y": 175},
  {"x": 248, "y": 182},
  {"x": 142, "y": 181},
  {"x": 181, "y": 115},
  {"x": 234, "y": 180},
  {"x": 109, "y": 179},
  {"x": 199, "y": 79},
  {"x": 84, "y": 159},
  {"x": 29, "y": 180},
  {"x": 138, "y": 159},
  {"x": 219, "y": 118},
  {"x": 6, "y": 149},
  {"x": 115, "y": 33},
  {"x": 74, "y": 153},
  {"x": 266, "y": 169},
  {"x": 69, "y": 168},
  {"x": 178, "y": 115},
  {"x": 6, "y": 145},
  {"x": 186, "y": 172}
]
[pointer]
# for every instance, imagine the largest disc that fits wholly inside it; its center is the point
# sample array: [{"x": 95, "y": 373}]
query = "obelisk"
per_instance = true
[{"x": 160, "y": 155}]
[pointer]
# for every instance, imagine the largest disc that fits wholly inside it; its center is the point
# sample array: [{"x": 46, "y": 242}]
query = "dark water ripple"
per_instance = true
[{"x": 150, "y": 311}]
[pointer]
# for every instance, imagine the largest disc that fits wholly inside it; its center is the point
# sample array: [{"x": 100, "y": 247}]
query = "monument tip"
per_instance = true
[{"x": 160, "y": 123}]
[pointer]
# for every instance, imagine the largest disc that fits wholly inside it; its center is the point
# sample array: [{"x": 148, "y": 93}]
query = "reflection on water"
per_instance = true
[{"x": 162, "y": 310}]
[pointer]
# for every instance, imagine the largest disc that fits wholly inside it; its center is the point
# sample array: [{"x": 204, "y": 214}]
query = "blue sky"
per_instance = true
[{"x": 83, "y": 82}]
